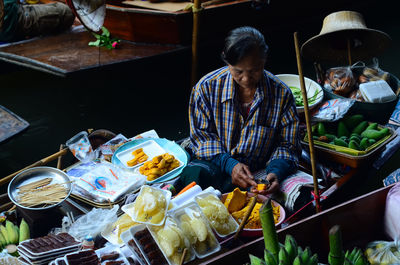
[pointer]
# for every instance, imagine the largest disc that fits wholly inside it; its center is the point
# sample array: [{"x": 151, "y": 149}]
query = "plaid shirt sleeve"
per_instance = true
[
  {"x": 289, "y": 146},
  {"x": 205, "y": 140}
]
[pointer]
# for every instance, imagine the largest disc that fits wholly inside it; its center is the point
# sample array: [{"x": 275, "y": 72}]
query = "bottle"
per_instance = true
[{"x": 88, "y": 243}]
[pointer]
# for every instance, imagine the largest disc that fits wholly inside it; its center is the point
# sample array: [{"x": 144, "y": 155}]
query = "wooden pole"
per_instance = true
[
  {"x": 36, "y": 164},
  {"x": 196, "y": 18},
  {"x": 308, "y": 122},
  {"x": 59, "y": 160},
  {"x": 349, "y": 50}
]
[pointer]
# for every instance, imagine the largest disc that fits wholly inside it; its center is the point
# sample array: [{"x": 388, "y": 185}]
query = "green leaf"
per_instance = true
[
  {"x": 105, "y": 32},
  {"x": 94, "y": 43}
]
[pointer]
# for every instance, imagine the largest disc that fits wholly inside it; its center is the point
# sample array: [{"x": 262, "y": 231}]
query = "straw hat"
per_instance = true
[{"x": 340, "y": 30}]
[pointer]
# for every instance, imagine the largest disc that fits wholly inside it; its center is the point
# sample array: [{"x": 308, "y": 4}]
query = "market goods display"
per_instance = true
[
  {"x": 159, "y": 166},
  {"x": 11, "y": 235},
  {"x": 217, "y": 214},
  {"x": 113, "y": 232},
  {"x": 88, "y": 257},
  {"x": 41, "y": 192},
  {"x": 172, "y": 241},
  {"x": 197, "y": 229},
  {"x": 237, "y": 202},
  {"x": 150, "y": 206},
  {"x": 289, "y": 253},
  {"x": 354, "y": 133},
  {"x": 139, "y": 157}
]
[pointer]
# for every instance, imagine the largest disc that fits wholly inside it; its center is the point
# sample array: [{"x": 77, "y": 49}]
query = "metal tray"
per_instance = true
[{"x": 34, "y": 174}]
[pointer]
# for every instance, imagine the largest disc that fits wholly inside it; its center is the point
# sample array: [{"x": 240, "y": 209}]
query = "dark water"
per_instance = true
[{"x": 152, "y": 94}]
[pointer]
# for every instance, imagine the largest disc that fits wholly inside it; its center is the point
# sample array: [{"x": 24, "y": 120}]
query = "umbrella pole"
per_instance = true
[
  {"x": 349, "y": 51},
  {"x": 196, "y": 17},
  {"x": 308, "y": 123}
]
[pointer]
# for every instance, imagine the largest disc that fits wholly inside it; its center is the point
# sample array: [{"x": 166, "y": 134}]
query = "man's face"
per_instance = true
[{"x": 248, "y": 71}]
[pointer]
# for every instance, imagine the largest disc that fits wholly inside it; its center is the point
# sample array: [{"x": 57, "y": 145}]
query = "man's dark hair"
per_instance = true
[{"x": 240, "y": 42}]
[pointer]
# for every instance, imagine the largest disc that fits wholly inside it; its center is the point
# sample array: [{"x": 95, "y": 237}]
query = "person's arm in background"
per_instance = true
[{"x": 284, "y": 159}]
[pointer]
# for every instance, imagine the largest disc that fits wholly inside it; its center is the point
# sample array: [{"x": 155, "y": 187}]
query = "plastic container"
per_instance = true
[
  {"x": 150, "y": 206},
  {"x": 172, "y": 241},
  {"x": 111, "y": 249},
  {"x": 221, "y": 221},
  {"x": 144, "y": 243},
  {"x": 150, "y": 148},
  {"x": 127, "y": 238},
  {"x": 377, "y": 91},
  {"x": 80, "y": 147},
  {"x": 84, "y": 255},
  {"x": 197, "y": 229},
  {"x": 88, "y": 243}
]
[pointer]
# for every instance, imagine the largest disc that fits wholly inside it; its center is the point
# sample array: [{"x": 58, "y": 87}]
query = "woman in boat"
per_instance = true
[
  {"x": 242, "y": 120},
  {"x": 21, "y": 21}
]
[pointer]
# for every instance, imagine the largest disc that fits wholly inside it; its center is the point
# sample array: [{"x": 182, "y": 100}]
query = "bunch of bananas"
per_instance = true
[
  {"x": 289, "y": 254},
  {"x": 355, "y": 257},
  {"x": 11, "y": 235}
]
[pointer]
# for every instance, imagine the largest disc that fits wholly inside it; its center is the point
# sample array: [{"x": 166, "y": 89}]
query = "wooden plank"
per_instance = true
[{"x": 69, "y": 52}]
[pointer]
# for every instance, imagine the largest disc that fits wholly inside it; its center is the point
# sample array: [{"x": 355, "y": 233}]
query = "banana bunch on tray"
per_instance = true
[{"x": 289, "y": 254}]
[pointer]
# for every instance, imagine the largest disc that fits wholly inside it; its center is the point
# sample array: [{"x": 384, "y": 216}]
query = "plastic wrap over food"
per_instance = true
[
  {"x": 102, "y": 182},
  {"x": 333, "y": 110},
  {"x": 340, "y": 80},
  {"x": 383, "y": 252},
  {"x": 392, "y": 213}
]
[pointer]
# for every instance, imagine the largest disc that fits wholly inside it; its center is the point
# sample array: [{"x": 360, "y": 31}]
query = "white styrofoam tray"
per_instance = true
[{"x": 150, "y": 148}]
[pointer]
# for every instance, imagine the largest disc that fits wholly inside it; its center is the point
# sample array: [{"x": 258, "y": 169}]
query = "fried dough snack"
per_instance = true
[
  {"x": 139, "y": 157},
  {"x": 159, "y": 166}
]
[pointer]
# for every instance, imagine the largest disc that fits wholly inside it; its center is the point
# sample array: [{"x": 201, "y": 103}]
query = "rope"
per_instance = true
[{"x": 315, "y": 198}]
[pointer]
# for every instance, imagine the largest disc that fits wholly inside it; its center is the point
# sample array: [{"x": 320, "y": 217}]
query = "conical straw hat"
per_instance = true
[
  {"x": 339, "y": 30},
  {"x": 91, "y": 13}
]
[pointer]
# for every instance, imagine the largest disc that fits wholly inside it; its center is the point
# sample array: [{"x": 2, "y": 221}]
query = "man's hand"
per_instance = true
[
  {"x": 273, "y": 187},
  {"x": 242, "y": 177}
]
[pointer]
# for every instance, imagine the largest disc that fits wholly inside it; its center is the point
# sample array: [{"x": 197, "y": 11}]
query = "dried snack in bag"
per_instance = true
[
  {"x": 340, "y": 80},
  {"x": 373, "y": 73}
]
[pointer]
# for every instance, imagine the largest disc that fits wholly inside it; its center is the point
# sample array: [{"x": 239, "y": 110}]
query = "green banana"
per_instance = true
[
  {"x": 12, "y": 233},
  {"x": 3, "y": 242},
  {"x": 269, "y": 258},
  {"x": 291, "y": 247},
  {"x": 361, "y": 260},
  {"x": 283, "y": 256},
  {"x": 24, "y": 232},
  {"x": 3, "y": 230},
  {"x": 313, "y": 260},
  {"x": 256, "y": 260},
  {"x": 299, "y": 251},
  {"x": 297, "y": 261},
  {"x": 306, "y": 255}
]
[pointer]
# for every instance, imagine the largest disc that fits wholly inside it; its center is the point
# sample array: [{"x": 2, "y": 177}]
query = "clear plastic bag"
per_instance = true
[
  {"x": 383, "y": 252},
  {"x": 93, "y": 222},
  {"x": 332, "y": 110},
  {"x": 373, "y": 73},
  {"x": 340, "y": 80},
  {"x": 392, "y": 212}
]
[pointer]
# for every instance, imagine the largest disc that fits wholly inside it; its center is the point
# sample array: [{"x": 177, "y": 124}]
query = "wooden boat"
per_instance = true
[
  {"x": 360, "y": 219},
  {"x": 155, "y": 26}
]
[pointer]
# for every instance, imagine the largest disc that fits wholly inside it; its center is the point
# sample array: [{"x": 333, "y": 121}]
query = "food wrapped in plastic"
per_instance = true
[
  {"x": 340, "y": 80},
  {"x": 172, "y": 241},
  {"x": 113, "y": 232},
  {"x": 197, "y": 228},
  {"x": 217, "y": 214},
  {"x": 383, "y": 252},
  {"x": 150, "y": 206}
]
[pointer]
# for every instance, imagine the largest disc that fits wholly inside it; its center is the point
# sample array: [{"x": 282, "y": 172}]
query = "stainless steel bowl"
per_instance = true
[{"x": 33, "y": 174}]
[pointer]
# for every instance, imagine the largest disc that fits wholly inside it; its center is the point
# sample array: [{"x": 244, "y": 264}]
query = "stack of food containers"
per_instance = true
[{"x": 168, "y": 234}]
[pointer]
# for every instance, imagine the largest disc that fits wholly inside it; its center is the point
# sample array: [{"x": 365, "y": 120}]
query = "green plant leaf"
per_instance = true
[
  {"x": 105, "y": 32},
  {"x": 94, "y": 43}
]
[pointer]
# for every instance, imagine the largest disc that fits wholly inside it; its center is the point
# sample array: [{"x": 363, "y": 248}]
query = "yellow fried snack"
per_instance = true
[
  {"x": 235, "y": 200},
  {"x": 159, "y": 166},
  {"x": 139, "y": 157}
]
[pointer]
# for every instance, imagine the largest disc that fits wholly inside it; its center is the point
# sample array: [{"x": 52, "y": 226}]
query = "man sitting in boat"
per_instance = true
[
  {"x": 20, "y": 21},
  {"x": 242, "y": 120}
]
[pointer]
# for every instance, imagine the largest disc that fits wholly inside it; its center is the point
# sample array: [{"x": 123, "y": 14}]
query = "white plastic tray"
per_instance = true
[
  {"x": 126, "y": 237},
  {"x": 150, "y": 148},
  {"x": 111, "y": 248}
]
